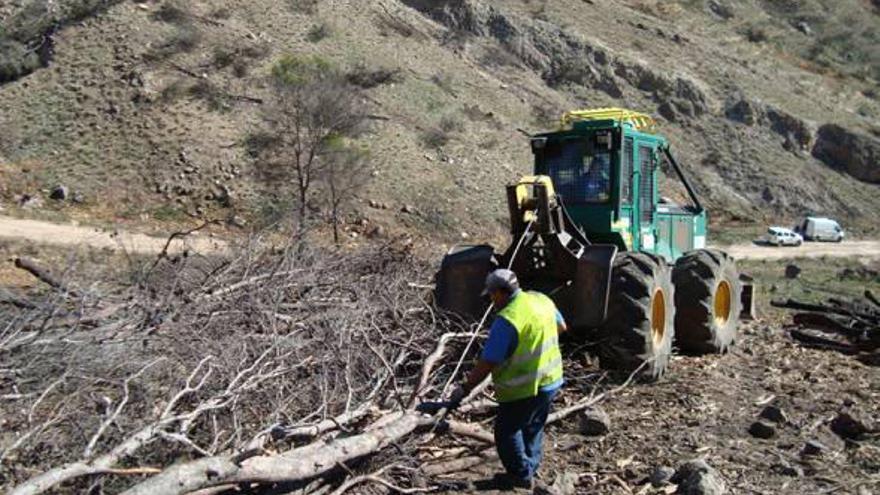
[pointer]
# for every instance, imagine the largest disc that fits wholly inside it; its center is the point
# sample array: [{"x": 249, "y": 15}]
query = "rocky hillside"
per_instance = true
[{"x": 146, "y": 110}]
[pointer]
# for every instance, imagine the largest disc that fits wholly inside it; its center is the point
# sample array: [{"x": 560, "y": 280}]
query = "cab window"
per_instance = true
[{"x": 578, "y": 176}]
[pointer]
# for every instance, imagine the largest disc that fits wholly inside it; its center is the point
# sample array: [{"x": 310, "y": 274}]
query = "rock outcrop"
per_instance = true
[
  {"x": 852, "y": 152},
  {"x": 561, "y": 57}
]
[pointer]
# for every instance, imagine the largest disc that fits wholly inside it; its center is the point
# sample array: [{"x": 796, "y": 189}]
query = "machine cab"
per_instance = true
[{"x": 603, "y": 164}]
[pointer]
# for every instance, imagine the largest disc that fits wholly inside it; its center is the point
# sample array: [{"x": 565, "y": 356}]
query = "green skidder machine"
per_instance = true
[{"x": 627, "y": 268}]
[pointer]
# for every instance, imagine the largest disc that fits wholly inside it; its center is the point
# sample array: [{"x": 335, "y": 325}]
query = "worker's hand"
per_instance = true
[{"x": 457, "y": 396}]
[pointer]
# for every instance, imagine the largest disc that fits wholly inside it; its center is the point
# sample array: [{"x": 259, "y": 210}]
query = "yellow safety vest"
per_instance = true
[{"x": 536, "y": 361}]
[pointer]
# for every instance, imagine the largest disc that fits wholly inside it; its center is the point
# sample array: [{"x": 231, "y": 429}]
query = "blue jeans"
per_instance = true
[{"x": 519, "y": 430}]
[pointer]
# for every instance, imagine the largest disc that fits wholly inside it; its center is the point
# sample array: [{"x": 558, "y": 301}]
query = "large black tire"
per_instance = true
[
  {"x": 639, "y": 329},
  {"x": 707, "y": 301}
]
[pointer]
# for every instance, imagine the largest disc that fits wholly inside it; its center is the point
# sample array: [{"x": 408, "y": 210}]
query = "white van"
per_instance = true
[{"x": 820, "y": 229}]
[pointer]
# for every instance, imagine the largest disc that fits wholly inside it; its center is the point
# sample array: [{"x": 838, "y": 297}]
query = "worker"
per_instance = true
[
  {"x": 598, "y": 177},
  {"x": 522, "y": 354}
]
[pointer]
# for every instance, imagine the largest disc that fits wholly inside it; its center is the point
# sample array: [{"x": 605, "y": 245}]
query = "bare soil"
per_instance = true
[
  {"x": 41, "y": 232},
  {"x": 72, "y": 235},
  {"x": 703, "y": 408}
]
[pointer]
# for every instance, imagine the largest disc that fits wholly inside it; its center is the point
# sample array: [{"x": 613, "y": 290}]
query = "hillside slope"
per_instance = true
[{"x": 145, "y": 108}]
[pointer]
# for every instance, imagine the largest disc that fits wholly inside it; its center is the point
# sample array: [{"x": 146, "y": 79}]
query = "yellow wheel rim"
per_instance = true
[
  {"x": 722, "y": 303},
  {"x": 658, "y": 316}
]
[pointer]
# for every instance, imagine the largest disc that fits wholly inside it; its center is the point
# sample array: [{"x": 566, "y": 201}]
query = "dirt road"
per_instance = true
[
  {"x": 866, "y": 249},
  {"x": 41, "y": 232},
  {"x": 72, "y": 235}
]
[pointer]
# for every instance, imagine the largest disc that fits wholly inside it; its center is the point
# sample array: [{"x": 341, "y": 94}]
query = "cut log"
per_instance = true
[
  {"x": 820, "y": 308},
  {"x": 41, "y": 273},
  {"x": 299, "y": 464},
  {"x": 828, "y": 323},
  {"x": 821, "y": 340}
]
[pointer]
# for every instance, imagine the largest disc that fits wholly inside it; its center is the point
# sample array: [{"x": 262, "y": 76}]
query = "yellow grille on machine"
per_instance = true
[{"x": 640, "y": 121}]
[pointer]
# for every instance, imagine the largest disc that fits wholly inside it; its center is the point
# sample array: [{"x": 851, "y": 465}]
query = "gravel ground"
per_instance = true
[{"x": 705, "y": 408}]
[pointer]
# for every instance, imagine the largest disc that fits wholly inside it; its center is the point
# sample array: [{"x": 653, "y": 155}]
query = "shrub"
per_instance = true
[
  {"x": 221, "y": 13},
  {"x": 756, "y": 34},
  {"x": 175, "y": 12},
  {"x": 209, "y": 93},
  {"x": 239, "y": 57},
  {"x": 172, "y": 92},
  {"x": 319, "y": 31},
  {"x": 291, "y": 70},
  {"x": 450, "y": 123},
  {"x": 185, "y": 39},
  {"x": 224, "y": 56},
  {"x": 443, "y": 81},
  {"x": 258, "y": 142},
  {"x": 364, "y": 77},
  {"x": 16, "y": 61},
  {"x": 303, "y": 6},
  {"x": 435, "y": 137}
]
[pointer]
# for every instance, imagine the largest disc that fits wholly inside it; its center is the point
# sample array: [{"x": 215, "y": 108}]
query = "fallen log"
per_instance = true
[
  {"x": 828, "y": 323},
  {"x": 41, "y": 274},
  {"x": 300, "y": 464},
  {"x": 820, "y": 340},
  {"x": 820, "y": 308}
]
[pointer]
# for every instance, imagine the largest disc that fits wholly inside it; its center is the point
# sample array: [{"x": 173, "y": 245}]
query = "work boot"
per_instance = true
[{"x": 506, "y": 481}]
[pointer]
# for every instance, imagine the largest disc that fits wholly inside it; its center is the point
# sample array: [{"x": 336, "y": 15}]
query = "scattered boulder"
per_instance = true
[
  {"x": 849, "y": 426},
  {"x": 28, "y": 201},
  {"x": 696, "y": 477},
  {"x": 376, "y": 232},
  {"x": 238, "y": 221},
  {"x": 813, "y": 448},
  {"x": 410, "y": 209},
  {"x": 804, "y": 28},
  {"x": 721, "y": 9},
  {"x": 59, "y": 193},
  {"x": 661, "y": 476},
  {"x": 774, "y": 413},
  {"x": 595, "y": 422},
  {"x": 761, "y": 429},
  {"x": 787, "y": 469},
  {"x": 853, "y": 152},
  {"x": 792, "y": 271},
  {"x": 746, "y": 111}
]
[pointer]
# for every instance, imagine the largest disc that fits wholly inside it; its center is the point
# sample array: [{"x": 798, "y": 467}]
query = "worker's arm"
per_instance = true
[
  {"x": 498, "y": 347},
  {"x": 478, "y": 374},
  {"x": 561, "y": 326}
]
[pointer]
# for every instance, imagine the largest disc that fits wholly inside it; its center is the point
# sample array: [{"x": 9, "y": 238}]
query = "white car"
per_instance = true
[{"x": 781, "y": 236}]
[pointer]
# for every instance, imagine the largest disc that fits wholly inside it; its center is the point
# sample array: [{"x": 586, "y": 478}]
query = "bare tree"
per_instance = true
[
  {"x": 313, "y": 107},
  {"x": 342, "y": 176}
]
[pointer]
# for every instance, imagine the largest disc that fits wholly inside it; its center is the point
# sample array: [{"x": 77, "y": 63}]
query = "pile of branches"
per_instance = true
[
  {"x": 259, "y": 370},
  {"x": 850, "y": 326}
]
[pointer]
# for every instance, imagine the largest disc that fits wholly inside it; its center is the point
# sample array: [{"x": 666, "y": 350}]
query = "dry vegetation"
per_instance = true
[{"x": 270, "y": 367}]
